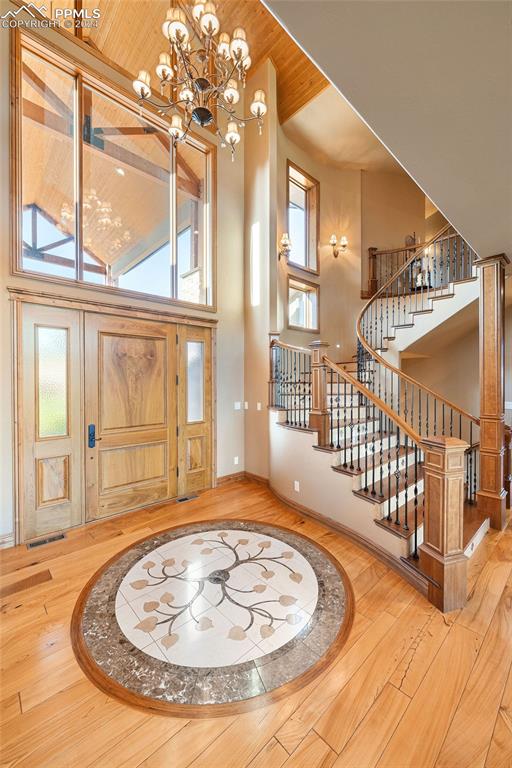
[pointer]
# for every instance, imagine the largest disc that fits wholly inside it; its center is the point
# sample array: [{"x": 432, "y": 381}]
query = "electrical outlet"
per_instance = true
[
  {"x": 246, "y": 405},
  {"x": 235, "y": 460},
  {"x": 296, "y": 486},
  {"x": 238, "y": 406},
  {"x": 258, "y": 406}
]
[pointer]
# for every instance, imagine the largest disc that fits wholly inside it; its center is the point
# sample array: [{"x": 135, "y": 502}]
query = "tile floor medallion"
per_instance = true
[{"x": 213, "y": 613}]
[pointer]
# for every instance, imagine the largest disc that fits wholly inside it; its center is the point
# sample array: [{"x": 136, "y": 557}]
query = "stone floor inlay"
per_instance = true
[{"x": 214, "y": 612}]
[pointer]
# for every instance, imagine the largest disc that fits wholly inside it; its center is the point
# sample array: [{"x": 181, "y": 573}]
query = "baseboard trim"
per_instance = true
[
  {"x": 7, "y": 540},
  {"x": 257, "y": 479},
  {"x": 227, "y": 479},
  {"x": 237, "y": 476},
  {"x": 414, "y": 578}
]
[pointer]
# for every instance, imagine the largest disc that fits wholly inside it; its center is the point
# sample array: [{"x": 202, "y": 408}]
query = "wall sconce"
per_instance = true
[
  {"x": 337, "y": 249},
  {"x": 285, "y": 246}
]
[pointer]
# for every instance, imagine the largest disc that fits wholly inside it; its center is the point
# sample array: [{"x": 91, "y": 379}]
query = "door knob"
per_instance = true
[{"x": 91, "y": 436}]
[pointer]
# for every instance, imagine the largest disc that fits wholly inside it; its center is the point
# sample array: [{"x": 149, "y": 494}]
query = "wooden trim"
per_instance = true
[
  {"x": 315, "y": 184},
  {"x": 93, "y": 305},
  {"x": 282, "y": 345},
  {"x": 7, "y": 540},
  {"x": 316, "y": 286},
  {"x": 86, "y": 76},
  {"x": 416, "y": 579},
  {"x": 228, "y": 479},
  {"x": 257, "y": 478},
  {"x": 116, "y": 690}
]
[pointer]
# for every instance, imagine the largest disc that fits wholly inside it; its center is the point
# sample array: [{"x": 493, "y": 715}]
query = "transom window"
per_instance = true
[
  {"x": 105, "y": 198},
  {"x": 303, "y": 215},
  {"x": 303, "y": 299}
]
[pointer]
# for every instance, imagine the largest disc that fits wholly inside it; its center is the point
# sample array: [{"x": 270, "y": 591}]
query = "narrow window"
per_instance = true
[
  {"x": 303, "y": 305},
  {"x": 195, "y": 381},
  {"x": 52, "y": 381},
  {"x": 303, "y": 212}
]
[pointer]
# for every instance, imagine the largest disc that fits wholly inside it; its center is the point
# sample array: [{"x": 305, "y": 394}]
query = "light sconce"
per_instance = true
[
  {"x": 340, "y": 247},
  {"x": 285, "y": 246}
]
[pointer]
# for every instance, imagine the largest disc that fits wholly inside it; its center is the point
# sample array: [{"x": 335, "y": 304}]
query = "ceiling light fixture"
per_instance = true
[{"x": 201, "y": 83}]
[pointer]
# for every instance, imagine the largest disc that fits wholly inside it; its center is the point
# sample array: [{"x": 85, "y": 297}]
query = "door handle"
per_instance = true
[{"x": 91, "y": 436}]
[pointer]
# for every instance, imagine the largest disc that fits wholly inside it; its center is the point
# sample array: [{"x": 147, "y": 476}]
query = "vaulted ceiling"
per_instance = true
[{"x": 130, "y": 35}]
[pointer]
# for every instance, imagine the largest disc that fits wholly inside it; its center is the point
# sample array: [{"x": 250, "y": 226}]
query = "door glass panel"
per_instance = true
[
  {"x": 195, "y": 381},
  {"x": 52, "y": 374}
]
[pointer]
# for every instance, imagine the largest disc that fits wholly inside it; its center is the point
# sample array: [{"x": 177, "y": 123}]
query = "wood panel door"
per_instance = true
[
  {"x": 50, "y": 420},
  {"x": 130, "y": 407},
  {"x": 195, "y": 409}
]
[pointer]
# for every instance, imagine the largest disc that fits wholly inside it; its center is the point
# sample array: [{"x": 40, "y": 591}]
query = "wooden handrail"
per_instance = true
[
  {"x": 384, "y": 362},
  {"x": 282, "y": 345},
  {"x": 381, "y": 405},
  {"x": 418, "y": 246}
]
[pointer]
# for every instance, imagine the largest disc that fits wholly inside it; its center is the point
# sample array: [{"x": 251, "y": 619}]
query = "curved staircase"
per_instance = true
[{"x": 372, "y": 419}]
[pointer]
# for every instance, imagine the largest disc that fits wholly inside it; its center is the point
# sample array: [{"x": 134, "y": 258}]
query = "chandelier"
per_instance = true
[{"x": 202, "y": 83}]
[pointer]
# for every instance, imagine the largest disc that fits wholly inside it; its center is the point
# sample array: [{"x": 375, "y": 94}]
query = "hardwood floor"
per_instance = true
[{"x": 411, "y": 687}]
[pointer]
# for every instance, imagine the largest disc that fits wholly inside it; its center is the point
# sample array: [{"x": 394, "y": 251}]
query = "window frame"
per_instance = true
[
  {"x": 312, "y": 187},
  {"x": 87, "y": 76},
  {"x": 316, "y": 290}
]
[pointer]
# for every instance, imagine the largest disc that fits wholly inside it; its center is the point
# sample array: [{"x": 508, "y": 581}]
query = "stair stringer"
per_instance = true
[
  {"x": 324, "y": 492},
  {"x": 464, "y": 293}
]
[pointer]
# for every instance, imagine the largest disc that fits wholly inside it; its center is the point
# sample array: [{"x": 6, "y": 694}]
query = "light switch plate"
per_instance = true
[{"x": 296, "y": 486}]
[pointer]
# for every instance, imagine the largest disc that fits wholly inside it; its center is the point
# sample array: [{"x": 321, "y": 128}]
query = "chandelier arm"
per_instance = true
[
  {"x": 232, "y": 114},
  {"x": 184, "y": 60}
]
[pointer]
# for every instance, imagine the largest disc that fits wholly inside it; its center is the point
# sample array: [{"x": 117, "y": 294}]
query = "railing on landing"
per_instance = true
[
  {"x": 427, "y": 275},
  {"x": 290, "y": 382}
]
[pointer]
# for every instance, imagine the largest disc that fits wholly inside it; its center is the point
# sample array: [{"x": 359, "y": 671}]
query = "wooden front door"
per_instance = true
[
  {"x": 130, "y": 409},
  {"x": 50, "y": 420}
]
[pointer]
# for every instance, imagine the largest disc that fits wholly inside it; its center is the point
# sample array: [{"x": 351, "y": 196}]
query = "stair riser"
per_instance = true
[
  {"x": 344, "y": 455},
  {"x": 358, "y": 431},
  {"x": 382, "y": 508},
  {"x": 359, "y": 480}
]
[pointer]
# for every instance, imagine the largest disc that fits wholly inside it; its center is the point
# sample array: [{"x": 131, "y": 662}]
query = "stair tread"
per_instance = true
[
  {"x": 400, "y": 529},
  {"x": 389, "y": 488},
  {"x": 347, "y": 471}
]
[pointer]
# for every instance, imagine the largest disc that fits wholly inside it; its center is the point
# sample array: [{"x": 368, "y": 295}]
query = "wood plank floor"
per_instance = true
[{"x": 411, "y": 687}]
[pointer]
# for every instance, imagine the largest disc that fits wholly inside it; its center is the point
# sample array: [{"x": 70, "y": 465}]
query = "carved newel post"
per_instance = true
[
  {"x": 319, "y": 413},
  {"x": 492, "y": 494},
  {"x": 442, "y": 554}
]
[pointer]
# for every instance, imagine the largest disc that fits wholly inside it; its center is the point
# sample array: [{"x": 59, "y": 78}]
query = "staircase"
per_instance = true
[{"x": 371, "y": 419}]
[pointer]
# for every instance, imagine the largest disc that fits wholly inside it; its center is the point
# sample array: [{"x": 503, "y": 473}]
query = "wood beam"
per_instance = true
[
  {"x": 46, "y": 92},
  {"x": 492, "y": 494}
]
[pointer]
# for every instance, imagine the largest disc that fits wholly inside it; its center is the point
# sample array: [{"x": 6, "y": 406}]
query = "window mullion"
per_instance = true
[{"x": 78, "y": 176}]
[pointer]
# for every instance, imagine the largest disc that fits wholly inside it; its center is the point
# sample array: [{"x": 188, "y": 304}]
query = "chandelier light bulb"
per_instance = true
[
  {"x": 259, "y": 106},
  {"x": 239, "y": 49},
  {"x": 176, "y": 128},
  {"x": 231, "y": 94},
  {"x": 175, "y": 27},
  {"x": 142, "y": 85},
  {"x": 210, "y": 23},
  {"x": 246, "y": 63},
  {"x": 197, "y": 11},
  {"x": 223, "y": 46},
  {"x": 186, "y": 94},
  {"x": 164, "y": 67},
  {"x": 232, "y": 135}
]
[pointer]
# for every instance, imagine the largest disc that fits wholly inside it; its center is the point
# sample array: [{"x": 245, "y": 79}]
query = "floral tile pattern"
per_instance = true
[{"x": 213, "y": 613}]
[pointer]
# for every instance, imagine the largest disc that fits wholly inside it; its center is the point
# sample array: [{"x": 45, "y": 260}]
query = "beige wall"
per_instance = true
[
  {"x": 339, "y": 279},
  {"x": 393, "y": 207},
  {"x": 260, "y": 278},
  {"x": 433, "y": 224},
  {"x": 230, "y": 337},
  {"x": 433, "y": 80}
]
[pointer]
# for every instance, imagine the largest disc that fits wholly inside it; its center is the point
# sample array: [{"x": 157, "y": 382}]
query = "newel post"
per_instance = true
[
  {"x": 442, "y": 552},
  {"x": 372, "y": 271},
  {"x": 319, "y": 413},
  {"x": 492, "y": 494},
  {"x": 272, "y": 381}
]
